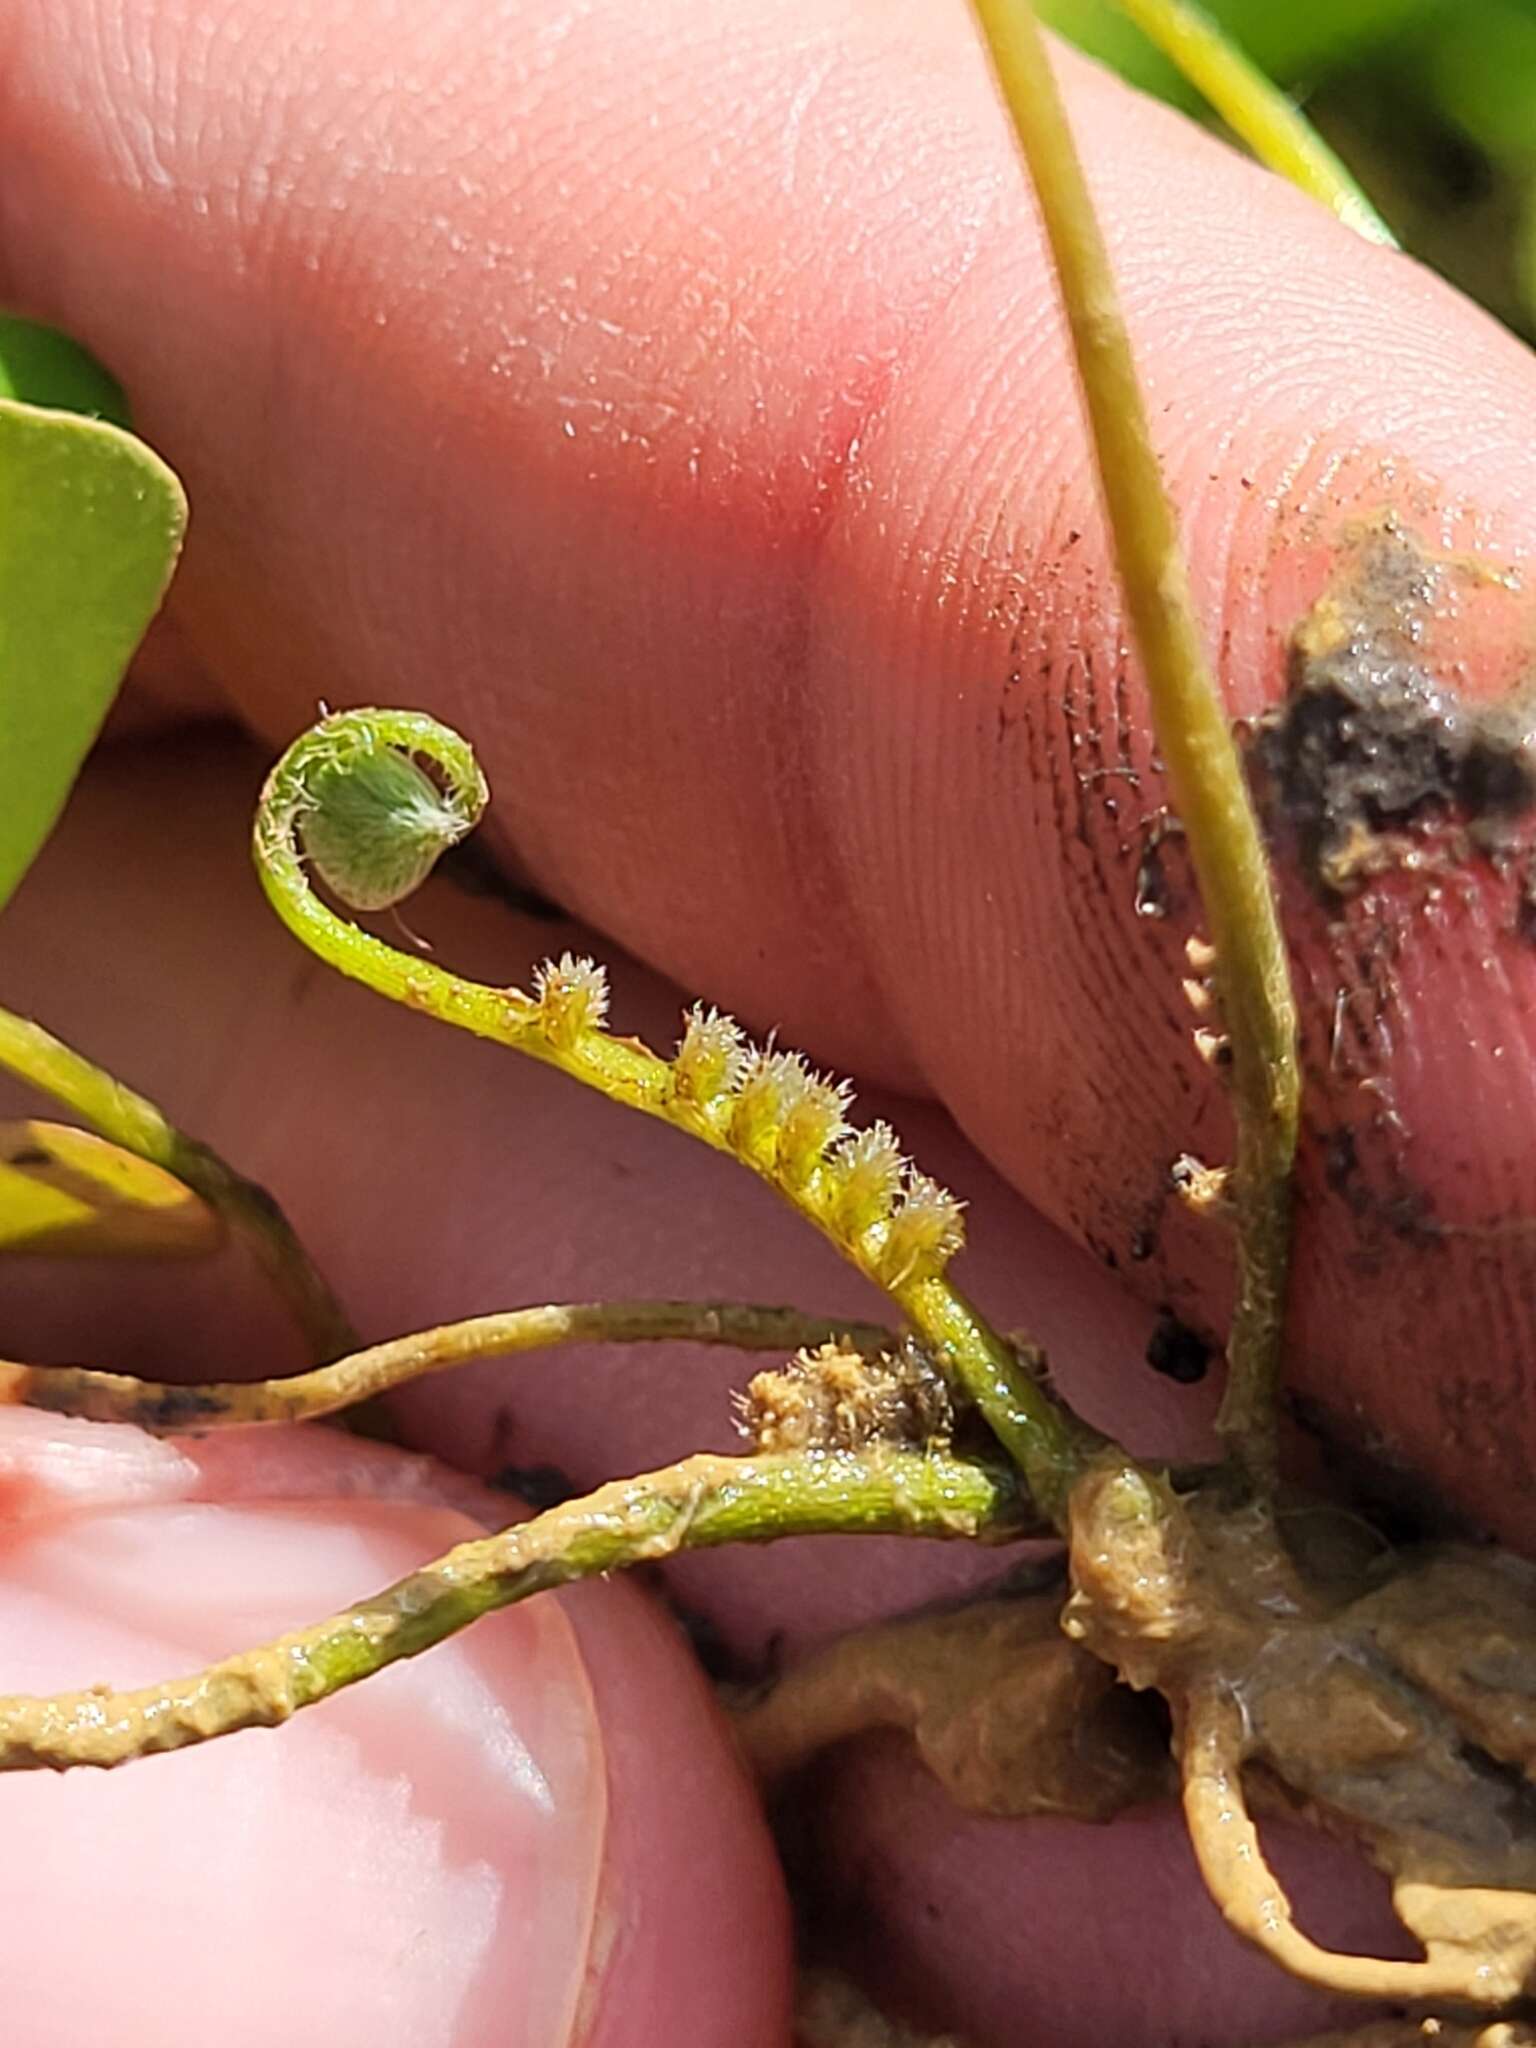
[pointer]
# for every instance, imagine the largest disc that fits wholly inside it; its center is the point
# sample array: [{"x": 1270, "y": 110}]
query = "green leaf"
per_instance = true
[
  {"x": 64, "y": 1191},
  {"x": 90, "y": 524},
  {"x": 1479, "y": 66},
  {"x": 43, "y": 367}
]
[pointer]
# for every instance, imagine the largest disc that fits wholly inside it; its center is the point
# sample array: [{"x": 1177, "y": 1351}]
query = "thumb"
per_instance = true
[{"x": 676, "y": 399}]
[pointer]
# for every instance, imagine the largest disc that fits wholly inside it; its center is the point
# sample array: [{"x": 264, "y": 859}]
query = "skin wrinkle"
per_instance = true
[
  {"x": 811, "y": 770},
  {"x": 612, "y": 607},
  {"x": 1214, "y": 537},
  {"x": 912, "y": 766}
]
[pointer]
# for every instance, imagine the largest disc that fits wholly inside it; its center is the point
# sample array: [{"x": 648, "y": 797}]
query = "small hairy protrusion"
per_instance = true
[
  {"x": 838, "y": 1399},
  {"x": 773, "y": 1086},
  {"x": 1214, "y": 1047},
  {"x": 711, "y": 1057},
  {"x": 925, "y": 1232},
  {"x": 869, "y": 1167},
  {"x": 1204, "y": 1190},
  {"x": 572, "y": 995},
  {"x": 815, "y": 1119}
]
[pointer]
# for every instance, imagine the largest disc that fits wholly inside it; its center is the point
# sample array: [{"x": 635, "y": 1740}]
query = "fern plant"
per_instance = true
[{"x": 1195, "y": 1585}]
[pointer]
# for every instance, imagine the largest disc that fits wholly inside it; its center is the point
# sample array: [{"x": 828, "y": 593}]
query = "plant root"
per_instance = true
[
  {"x": 1480, "y": 1943},
  {"x": 702, "y": 1502},
  {"x": 163, "y": 1409},
  {"x": 1393, "y": 1701},
  {"x": 1012, "y": 1718}
]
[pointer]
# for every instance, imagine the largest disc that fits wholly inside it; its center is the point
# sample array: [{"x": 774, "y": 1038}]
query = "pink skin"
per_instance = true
[
  {"x": 1028, "y": 1942},
  {"x": 370, "y": 1196},
  {"x": 483, "y": 1849},
  {"x": 693, "y": 425},
  {"x": 709, "y": 451}
]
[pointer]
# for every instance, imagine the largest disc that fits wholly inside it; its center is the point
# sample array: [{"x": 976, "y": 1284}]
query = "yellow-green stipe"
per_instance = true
[
  {"x": 764, "y": 1109},
  {"x": 701, "y": 1503},
  {"x": 138, "y": 1126},
  {"x": 1255, "y": 109},
  {"x": 1204, "y": 773}
]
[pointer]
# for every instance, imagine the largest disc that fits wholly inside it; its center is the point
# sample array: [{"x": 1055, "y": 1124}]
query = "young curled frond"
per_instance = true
[
  {"x": 762, "y": 1106},
  {"x": 367, "y": 817},
  {"x": 701, "y": 1503},
  {"x": 375, "y": 826}
]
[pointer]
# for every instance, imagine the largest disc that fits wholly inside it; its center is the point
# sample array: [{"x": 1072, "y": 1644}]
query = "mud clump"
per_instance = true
[
  {"x": 1371, "y": 747},
  {"x": 836, "y": 1399}
]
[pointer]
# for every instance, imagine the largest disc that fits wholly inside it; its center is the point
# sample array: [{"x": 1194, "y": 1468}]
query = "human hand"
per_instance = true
[{"x": 694, "y": 428}]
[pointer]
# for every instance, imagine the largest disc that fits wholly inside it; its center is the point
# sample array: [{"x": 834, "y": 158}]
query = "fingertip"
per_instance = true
[{"x": 514, "y": 1840}]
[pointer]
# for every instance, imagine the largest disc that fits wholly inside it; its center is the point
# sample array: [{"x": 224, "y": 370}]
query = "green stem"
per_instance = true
[
  {"x": 1255, "y": 109},
  {"x": 163, "y": 1409},
  {"x": 1204, "y": 772},
  {"x": 138, "y": 1126},
  {"x": 764, "y": 1110},
  {"x": 701, "y": 1503}
]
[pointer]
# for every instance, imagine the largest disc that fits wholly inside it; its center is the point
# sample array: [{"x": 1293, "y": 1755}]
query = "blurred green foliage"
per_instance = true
[
  {"x": 43, "y": 367},
  {"x": 1290, "y": 39},
  {"x": 1432, "y": 103}
]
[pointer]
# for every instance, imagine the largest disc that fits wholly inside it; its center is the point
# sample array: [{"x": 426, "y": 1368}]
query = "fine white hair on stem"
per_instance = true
[
  {"x": 869, "y": 1167},
  {"x": 572, "y": 995},
  {"x": 925, "y": 1232},
  {"x": 772, "y": 1087},
  {"x": 711, "y": 1057},
  {"x": 814, "y": 1120}
]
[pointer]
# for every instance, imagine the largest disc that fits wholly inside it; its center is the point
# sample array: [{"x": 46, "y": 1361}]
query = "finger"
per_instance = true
[
  {"x": 438, "y": 1858},
  {"x": 678, "y": 402},
  {"x": 1011, "y": 1931},
  {"x": 166, "y": 686},
  {"x": 434, "y": 1177}
]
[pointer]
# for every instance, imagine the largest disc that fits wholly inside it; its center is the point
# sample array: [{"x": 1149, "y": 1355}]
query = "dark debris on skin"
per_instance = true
[{"x": 1372, "y": 753}]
